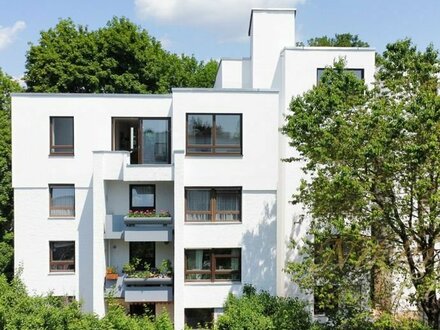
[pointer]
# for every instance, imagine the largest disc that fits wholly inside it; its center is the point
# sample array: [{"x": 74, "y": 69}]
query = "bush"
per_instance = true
[
  {"x": 391, "y": 322},
  {"x": 19, "y": 311},
  {"x": 262, "y": 311}
]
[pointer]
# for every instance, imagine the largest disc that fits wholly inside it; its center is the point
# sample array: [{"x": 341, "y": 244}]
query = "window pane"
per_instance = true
[
  {"x": 62, "y": 200},
  {"x": 63, "y": 251},
  {"x": 199, "y": 317},
  {"x": 198, "y": 200},
  {"x": 228, "y": 200},
  {"x": 198, "y": 260},
  {"x": 62, "y": 135},
  {"x": 155, "y": 135},
  {"x": 145, "y": 252},
  {"x": 359, "y": 73},
  {"x": 199, "y": 130},
  {"x": 142, "y": 196},
  {"x": 228, "y": 130},
  {"x": 62, "y": 256}
]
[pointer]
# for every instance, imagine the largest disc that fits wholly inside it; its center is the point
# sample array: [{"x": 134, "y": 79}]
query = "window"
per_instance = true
[
  {"x": 213, "y": 265},
  {"x": 142, "y": 309},
  {"x": 197, "y": 318},
  {"x": 214, "y": 134},
  {"x": 156, "y": 141},
  {"x": 62, "y": 200},
  {"x": 359, "y": 73},
  {"x": 142, "y": 197},
  {"x": 62, "y": 256},
  {"x": 213, "y": 204},
  {"x": 147, "y": 139},
  {"x": 144, "y": 252},
  {"x": 61, "y": 135}
]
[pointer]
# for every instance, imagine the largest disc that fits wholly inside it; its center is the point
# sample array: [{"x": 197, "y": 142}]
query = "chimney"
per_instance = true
[{"x": 270, "y": 30}]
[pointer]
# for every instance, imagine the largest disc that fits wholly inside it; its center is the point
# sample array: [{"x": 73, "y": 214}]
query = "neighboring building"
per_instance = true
[{"x": 210, "y": 157}]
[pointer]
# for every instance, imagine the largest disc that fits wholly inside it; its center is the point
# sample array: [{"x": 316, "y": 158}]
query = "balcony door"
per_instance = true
[
  {"x": 144, "y": 253},
  {"x": 147, "y": 139}
]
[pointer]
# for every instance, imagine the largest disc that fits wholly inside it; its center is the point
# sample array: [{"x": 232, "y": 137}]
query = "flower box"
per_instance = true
[
  {"x": 147, "y": 220},
  {"x": 148, "y": 281}
]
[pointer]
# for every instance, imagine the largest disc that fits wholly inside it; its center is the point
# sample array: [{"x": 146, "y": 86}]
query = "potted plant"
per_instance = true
[{"x": 112, "y": 273}]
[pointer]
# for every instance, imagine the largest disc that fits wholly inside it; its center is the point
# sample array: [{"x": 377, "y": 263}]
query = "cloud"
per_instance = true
[
  {"x": 229, "y": 18},
  {"x": 166, "y": 42},
  {"x": 8, "y": 34}
]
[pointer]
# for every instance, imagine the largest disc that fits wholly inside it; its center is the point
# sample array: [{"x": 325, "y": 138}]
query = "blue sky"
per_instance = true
[{"x": 217, "y": 28}]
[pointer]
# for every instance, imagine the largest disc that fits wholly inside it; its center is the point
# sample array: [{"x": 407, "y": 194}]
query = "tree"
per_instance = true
[
  {"x": 118, "y": 58},
  {"x": 373, "y": 189},
  {"x": 340, "y": 40},
  {"x": 7, "y": 86}
]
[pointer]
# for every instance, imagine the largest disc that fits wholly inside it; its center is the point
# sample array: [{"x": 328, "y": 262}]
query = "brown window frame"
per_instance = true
[
  {"x": 64, "y": 263},
  {"x": 51, "y": 207},
  {"x": 212, "y": 271},
  {"x": 213, "y": 146},
  {"x": 141, "y": 208},
  {"x": 213, "y": 203},
  {"x": 52, "y": 146}
]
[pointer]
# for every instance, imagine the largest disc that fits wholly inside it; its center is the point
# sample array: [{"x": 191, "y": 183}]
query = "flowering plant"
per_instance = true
[{"x": 149, "y": 214}]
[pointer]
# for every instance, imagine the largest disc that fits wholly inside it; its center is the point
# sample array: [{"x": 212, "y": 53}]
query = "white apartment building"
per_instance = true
[{"x": 205, "y": 165}]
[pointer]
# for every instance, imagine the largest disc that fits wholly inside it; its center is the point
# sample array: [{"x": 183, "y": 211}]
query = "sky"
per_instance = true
[{"x": 217, "y": 28}]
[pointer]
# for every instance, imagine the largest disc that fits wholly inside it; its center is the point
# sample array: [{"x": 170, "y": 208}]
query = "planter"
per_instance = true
[
  {"x": 148, "y": 281},
  {"x": 111, "y": 276},
  {"x": 148, "y": 220}
]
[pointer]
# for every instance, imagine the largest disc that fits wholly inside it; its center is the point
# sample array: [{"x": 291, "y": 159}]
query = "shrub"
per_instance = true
[{"x": 262, "y": 311}]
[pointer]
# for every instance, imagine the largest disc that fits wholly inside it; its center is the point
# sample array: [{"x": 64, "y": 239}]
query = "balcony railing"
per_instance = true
[
  {"x": 131, "y": 229},
  {"x": 141, "y": 289}
]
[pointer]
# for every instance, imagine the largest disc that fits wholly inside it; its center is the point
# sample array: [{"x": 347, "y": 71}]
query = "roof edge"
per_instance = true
[{"x": 104, "y": 95}]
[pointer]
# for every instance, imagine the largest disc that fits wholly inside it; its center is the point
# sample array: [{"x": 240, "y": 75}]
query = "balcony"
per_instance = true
[
  {"x": 138, "y": 229},
  {"x": 141, "y": 289},
  {"x": 115, "y": 165}
]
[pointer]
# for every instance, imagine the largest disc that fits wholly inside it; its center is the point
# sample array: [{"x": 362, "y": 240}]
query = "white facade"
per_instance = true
[{"x": 259, "y": 88}]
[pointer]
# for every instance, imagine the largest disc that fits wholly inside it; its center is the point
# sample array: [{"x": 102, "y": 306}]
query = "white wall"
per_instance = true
[
  {"x": 33, "y": 170},
  {"x": 254, "y": 171},
  {"x": 270, "y": 32}
]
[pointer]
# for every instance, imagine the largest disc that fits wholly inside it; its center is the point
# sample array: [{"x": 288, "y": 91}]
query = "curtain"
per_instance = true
[
  {"x": 198, "y": 200},
  {"x": 228, "y": 201}
]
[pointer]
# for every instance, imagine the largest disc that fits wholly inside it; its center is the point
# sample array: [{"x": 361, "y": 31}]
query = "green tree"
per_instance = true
[
  {"x": 373, "y": 189},
  {"x": 7, "y": 86},
  {"x": 340, "y": 40},
  {"x": 118, "y": 58}
]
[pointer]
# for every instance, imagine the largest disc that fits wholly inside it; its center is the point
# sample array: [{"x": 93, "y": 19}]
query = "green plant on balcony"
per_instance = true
[
  {"x": 149, "y": 214},
  {"x": 136, "y": 270},
  {"x": 165, "y": 269}
]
